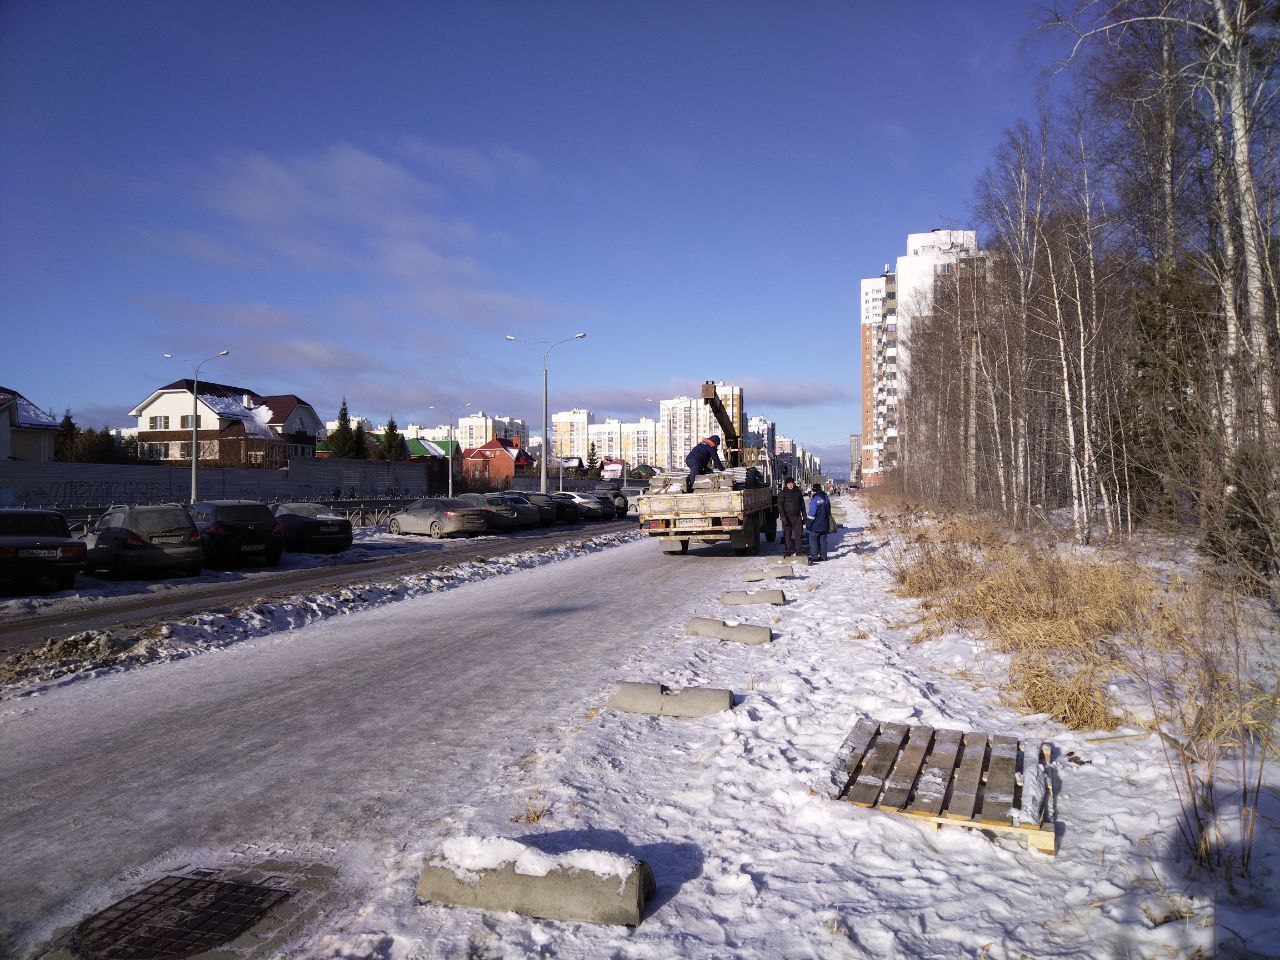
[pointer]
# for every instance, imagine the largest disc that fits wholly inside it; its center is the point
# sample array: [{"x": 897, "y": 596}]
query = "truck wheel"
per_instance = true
[
  {"x": 771, "y": 527},
  {"x": 675, "y": 547}
]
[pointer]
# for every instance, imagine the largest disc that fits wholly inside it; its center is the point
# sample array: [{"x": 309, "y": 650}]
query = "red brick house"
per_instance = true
[{"x": 497, "y": 461}]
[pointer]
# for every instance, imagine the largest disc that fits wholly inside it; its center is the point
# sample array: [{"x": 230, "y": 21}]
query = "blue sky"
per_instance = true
[{"x": 364, "y": 198}]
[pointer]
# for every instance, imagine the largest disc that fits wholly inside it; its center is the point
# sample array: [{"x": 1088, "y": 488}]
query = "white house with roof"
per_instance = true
[
  {"x": 234, "y": 426},
  {"x": 26, "y": 431}
]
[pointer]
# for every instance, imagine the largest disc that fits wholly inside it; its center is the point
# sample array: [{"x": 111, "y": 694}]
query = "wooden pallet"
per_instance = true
[{"x": 948, "y": 778}]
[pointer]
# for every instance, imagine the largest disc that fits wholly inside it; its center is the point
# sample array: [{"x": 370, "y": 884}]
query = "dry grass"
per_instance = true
[
  {"x": 1056, "y": 615},
  {"x": 537, "y": 808},
  {"x": 1074, "y": 623}
]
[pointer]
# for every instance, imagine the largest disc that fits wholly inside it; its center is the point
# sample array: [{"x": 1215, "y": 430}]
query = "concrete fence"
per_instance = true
[{"x": 97, "y": 484}]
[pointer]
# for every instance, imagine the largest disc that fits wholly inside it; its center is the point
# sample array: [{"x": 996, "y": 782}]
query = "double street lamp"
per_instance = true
[
  {"x": 452, "y": 417},
  {"x": 546, "y": 447},
  {"x": 195, "y": 411}
]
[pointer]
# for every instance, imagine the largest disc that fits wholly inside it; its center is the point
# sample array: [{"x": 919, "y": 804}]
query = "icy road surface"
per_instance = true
[{"x": 355, "y": 729}]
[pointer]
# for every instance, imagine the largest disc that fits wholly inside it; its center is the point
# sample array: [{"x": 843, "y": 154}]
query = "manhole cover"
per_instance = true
[{"x": 175, "y": 917}]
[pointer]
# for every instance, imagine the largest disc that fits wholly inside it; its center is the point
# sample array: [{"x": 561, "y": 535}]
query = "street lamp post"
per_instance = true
[
  {"x": 549, "y": 344},
  {"x": 195, "y": 413},
  {"x": 451, "y": 419}
]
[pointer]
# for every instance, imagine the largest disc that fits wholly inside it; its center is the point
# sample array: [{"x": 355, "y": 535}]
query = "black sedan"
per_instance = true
[
  {"x": 37, "y": 543},
  {"x": 313, "y": 528},
  {"x": 233, "y": 531}
]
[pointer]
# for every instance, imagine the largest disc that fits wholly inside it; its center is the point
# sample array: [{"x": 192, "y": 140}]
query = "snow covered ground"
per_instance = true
[{"x": 371, "y": 740}]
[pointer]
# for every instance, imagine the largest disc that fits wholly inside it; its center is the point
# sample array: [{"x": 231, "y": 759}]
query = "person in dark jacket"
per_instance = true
[
  {"x": 701, "y": 459},
  {"x": 791, "y": 513},
  {"x": 819, "y": 524}
]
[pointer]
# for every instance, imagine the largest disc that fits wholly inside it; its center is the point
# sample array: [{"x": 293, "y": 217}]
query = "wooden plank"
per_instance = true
[
  {"x": 907, "y": 768},
  {"x": 997, "y": 792},
  {"x": 938, "y": 767},
  {"x": 1042, "y": 839},
  {"x": 866, "y": 788},
  {"x": 1028, "y": 810},
  {"x": 847, "y": 758},
  {"x": 964, "y": 786}
]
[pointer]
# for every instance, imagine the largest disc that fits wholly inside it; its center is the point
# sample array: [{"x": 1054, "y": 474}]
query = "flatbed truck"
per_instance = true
[{"x": 714, "y": 516}]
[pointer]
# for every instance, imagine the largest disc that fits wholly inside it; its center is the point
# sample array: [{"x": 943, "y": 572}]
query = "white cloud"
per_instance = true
[{"x": 491, "y": 167}]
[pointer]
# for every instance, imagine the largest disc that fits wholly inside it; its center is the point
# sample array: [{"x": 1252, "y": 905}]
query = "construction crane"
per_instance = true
[{"x": 728, "y": 430}]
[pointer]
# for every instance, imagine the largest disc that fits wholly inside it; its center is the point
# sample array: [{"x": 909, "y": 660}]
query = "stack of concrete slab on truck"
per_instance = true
[{"x": 735, "y": 478}]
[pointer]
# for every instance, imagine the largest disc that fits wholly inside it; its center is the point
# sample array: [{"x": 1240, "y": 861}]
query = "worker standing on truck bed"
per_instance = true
[{"x": 700, "y": 459}]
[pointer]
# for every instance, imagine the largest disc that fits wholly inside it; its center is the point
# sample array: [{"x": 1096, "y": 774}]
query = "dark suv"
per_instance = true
[
  {"x": 233, "y": 531},
  {"x": 37, "y": 543},
  {"x": 144, "y": 539}
]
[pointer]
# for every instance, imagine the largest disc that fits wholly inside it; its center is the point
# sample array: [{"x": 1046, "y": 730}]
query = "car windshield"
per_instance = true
[
  {"x": 32, "y": 525},
  {"x": 317, "y": 511},
  {"x": 516, "y": 497},
  {"x": 160, "y": 520},
  {"x": 497, "y": 502},
  {"x": 244, "y": 513}
]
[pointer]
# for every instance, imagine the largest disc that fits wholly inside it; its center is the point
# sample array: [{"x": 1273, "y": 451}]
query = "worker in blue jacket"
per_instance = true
[
  {"x": 701, "y": 459},
  {"x": 819, "y": 524}
]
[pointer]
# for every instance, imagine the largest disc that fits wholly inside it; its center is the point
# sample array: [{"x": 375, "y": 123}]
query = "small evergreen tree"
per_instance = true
[
  {"x": 391, "y": 442},
  {"x": 64, "y": 444},
  {"x": 359, "y": 443},
  {"x": 341, "y": 441}
]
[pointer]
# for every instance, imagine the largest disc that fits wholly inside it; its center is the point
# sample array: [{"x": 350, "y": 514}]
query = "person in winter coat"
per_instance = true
[
  {"x": 791, "y": 513},
  {"x": 819, "y": 524},
  {"x": 701, "y": 459}
]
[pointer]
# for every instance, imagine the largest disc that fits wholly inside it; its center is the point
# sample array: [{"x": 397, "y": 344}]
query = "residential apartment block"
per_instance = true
[
  {"x": 477, "y": 429},
  {"x": 683, "y": 421},
  {"x": 887, "y": 305}
]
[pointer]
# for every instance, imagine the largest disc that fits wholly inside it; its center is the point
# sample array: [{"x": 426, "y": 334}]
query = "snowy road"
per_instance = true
[{"x": 353, "y": 730}]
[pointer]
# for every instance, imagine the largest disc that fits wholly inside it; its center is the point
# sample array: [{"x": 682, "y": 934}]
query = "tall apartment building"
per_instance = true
[
  {"x": 683, "y": 421},
  {"x": 761, "y": 432},
  {"x": 879, "y": 326},
  {"x": 887, "y": 306},
  {"x": 479, "y": 428},
  {"x": 569, "y": 436},
  {"x": 640, "y": 442},
  {"x": 607, "y": 438}
]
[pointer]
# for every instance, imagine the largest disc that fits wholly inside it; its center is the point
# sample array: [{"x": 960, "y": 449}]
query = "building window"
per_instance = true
[
  {"x": 153, "y": 451},
  {"x": 186, "y": 422},
  {"x": 159, "y": 423}
]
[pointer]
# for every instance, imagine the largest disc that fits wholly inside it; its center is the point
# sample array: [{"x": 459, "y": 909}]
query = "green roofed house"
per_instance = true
[{"x": 418, "y": 449}]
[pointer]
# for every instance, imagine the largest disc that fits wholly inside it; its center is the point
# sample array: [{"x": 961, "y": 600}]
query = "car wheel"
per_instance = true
[
  {"x": 394, "y": 526},
  {"x": 436, "y": 531},
  {"x": 117, "y": 569},
  {"x": 66, "y": 579}
]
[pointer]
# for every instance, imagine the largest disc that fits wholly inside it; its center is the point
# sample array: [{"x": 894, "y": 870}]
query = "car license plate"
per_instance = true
[
  {"x": 166, "y": 539},
  {"x": 38, "y": 553},
  {"x": 253, "y": 546},
  {"x": 331, "y": 528}
]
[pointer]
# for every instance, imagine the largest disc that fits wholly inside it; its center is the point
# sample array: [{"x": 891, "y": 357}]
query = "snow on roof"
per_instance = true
[
  {"x": 254, "y": 419},
  {"x": 29, "y": 415}
]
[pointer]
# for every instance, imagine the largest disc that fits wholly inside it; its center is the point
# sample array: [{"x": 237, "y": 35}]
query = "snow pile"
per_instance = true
[
  {"x": 467, "y": 856},
  {"x": 99, "y": 652}
]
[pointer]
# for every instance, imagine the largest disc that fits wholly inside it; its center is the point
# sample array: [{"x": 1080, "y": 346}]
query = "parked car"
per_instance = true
[
  {"x": 153, "y": 538},
  {"x": 313, "y": 528},
  {"x": 530, "y": 516},
  {"x": 619, "y": 498},
  {"x": 588, "y": 507},
  {"x": 566, "y": 510},
  {"x": 233, "y": 531},
  {"x": 546, "y": 506},
  {"x": 500, "y": 512},
  {"x": 36, "y": 544},
  {"x": 440, "y": 517},
  {"x": 606, "y": 501}
]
